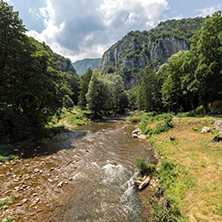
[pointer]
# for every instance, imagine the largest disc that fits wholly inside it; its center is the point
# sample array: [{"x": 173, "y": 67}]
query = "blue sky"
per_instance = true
[{"x": 79, "y": 29}]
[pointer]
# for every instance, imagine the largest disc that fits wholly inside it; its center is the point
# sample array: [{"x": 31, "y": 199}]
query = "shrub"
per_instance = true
[
  {"x": 160, "y": 213},
  {"x": 77, "y": 119},
  {"x": 143, "y": 167}
]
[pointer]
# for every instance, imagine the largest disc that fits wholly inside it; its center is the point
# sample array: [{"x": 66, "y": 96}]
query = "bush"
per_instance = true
[
  {"x": 143, "y": 167},
  {"x": 160, "y": 213},
  {"x": 187, "y": 114},
  {"x": 77, "y": 119}
]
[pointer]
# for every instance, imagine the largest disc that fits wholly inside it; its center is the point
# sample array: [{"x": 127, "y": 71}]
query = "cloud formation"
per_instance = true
[
  {"x": 86, "y": 28},
  {"x": 209, "y": 10}
]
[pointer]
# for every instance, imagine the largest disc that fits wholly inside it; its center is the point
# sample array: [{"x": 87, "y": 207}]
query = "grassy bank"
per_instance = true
[
  {"x": 70, "y": 118},
  {"x": 190, "y": 169}
]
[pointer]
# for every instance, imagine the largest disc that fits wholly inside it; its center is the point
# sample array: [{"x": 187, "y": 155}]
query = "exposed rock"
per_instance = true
[
  {"x": 60, "y": 184},
  {"x": 142, "y": 136},
  {"x": 144, "y": 183},
  {"x": 217, "y": 139},
  {"x": 137, "y": 131},
  {"x": 134, "y": 136},
  {"x": 205, "y": 129},
  {"x": 65, "y": 64},
  {"x": 137, "y": 49},
  {"x": 136, "y": 183},
  {"x": 218, "y": 125}
]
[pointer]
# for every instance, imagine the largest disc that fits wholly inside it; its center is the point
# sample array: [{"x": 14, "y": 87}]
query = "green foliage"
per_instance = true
[
  {"x": 175, "y": 187},
  {"x": 5, "y": 151},
  {"x": 106, "y": 94},
  {"x": 149, "y": 92},
  {"x": 160, "y": 213},
  {"x": 133, "y": 95},
  {"x": 77, "y": 119},
  {"x": 145, "y": 168},
  {"x": 3, "y": 203},
  {"x": 84, "y": 84},
  {"x": 7, "y": 219},
  {"x": 219, "y": 209},
  {"x": 32, "y": 88},
  {"x": 187, "y": 114},
  {"x": 149, "y": 118}
]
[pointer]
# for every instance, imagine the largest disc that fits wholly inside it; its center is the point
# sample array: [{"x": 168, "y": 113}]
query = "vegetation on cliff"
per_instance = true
[
  {"x": 149, "y": 48},
  {"x": 187, "y": 79}
]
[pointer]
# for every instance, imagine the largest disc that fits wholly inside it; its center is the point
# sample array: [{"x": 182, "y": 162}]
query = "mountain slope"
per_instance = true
[
  {"x": 82, "y": 66},
  {"x": 150, "y": 48}
]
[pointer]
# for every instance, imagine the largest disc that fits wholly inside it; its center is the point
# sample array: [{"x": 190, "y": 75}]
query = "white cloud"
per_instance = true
[
  {"x": 80, "y": 29},
  {"x": 209, "y": 10}
]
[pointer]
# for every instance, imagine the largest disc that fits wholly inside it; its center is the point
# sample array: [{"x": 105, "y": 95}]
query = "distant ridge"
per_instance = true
[{"x": 81, "y": 66}]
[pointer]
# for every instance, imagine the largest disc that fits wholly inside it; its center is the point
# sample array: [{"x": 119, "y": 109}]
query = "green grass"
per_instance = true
[
  {"x": 7, "y": 219},
  {"x": 4, "y": 149},
  {"x": 193, "y": 168},
  {"x": 78, "y": 119},
  {"x": 3, "y": 203}
]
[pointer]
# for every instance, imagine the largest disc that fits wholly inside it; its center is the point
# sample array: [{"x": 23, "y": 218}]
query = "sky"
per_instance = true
[{"x": 78, "y": 29}]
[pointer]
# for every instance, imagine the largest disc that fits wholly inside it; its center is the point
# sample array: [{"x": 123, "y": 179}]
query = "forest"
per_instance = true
[{"x": 33, "y": 89}]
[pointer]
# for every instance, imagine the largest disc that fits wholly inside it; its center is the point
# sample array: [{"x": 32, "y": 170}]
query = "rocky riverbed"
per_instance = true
[{"x": 56, "y": 180}]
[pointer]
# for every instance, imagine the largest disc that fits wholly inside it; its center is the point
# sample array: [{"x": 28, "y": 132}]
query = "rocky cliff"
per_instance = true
[
  {"x": 65, "y": 64},
  {"x": 149, "y": 48},
  {"x": 139, "y": 55}
]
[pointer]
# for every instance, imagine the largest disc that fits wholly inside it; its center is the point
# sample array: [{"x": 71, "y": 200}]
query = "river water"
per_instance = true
[{"x": 99, "y": 163}]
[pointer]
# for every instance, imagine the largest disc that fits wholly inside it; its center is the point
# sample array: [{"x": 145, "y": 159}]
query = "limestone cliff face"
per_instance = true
[
  {"x": 65, "y": 64},
  {"x": 135, "y": 53},
  {"x": 150, "y": 48}
]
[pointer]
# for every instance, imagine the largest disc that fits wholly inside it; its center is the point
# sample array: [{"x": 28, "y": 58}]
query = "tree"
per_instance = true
[
  {"x": 97, "y": 95},
  {"x": 149, "y": 96},
  {"x": 118, "y": 100},
  {"x": 84, "y": 84},
  {"x": 208, "y": 73},
  {"x": 31, "y": 88},
  {"x": 189, "y": 83},
  {"x": 74, "y": 84},
  {"x": 171, "y": 89}
]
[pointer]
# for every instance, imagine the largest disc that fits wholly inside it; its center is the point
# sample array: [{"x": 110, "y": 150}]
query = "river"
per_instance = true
[{"x": 98, "y": 161}]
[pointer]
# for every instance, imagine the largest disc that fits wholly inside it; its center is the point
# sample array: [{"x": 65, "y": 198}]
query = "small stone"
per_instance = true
[
  {"x": 27, "y": 165},
  {"x": 50, "y": 180},
  {"x": 52, "y": 169},
  {"x": 24, "y": 201},
  {"x": 60, "y": 184},
  {"x": 36, "y": 170}
]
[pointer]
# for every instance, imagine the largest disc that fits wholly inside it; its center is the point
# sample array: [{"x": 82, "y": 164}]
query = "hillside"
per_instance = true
[
  {"x": 82, "y": 66},
  {"x": 150, "y": 48},
  {"x": 66, "y": 65}
]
